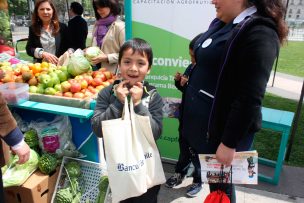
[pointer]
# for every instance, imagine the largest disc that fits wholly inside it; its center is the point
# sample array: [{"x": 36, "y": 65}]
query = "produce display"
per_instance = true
[{"x": 67, "y": 81}]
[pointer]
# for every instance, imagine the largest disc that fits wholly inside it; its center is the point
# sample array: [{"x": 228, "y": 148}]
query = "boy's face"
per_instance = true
[{"x": 133, "y": 66}]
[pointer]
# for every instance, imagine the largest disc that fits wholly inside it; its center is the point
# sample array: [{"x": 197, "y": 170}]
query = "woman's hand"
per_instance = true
[
  {"x": 177, "y": 76},
  {"x": 23, "y": 153},
  {"x": 100, "y": 58},
  {"x": 49, "y": 58},
  {"x": 224, "y": 154},
  {"x": 136, "y": 93},
  {"x": 183, "y": 80},
  {"x": 122, "y": 91}
]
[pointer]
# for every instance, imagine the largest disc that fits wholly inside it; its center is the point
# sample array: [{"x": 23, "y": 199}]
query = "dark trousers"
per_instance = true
[
  {"x": 244, "y": 145},
  {"x": 149, "y": 197},
  {"x": 186, "y": 156}
]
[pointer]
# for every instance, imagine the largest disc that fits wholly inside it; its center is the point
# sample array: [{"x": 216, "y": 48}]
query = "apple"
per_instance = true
[
  {"x": 102, "y": 76},
  {"x": 46, "y": 80},
  {"x": 50, "y": 91},
  {"x": 78, "y": 77},
  {"x": 72, "y": 81},
  {"x": 94, "y": 73},
  {"x": 55, "y": 80},
  {"x": 62, "y": 76},
  {"x": 33, "y": 81},
  {"x": 25, "y": 68},
  {"x": 75, "y": 87},
  {"x": 84, "y": 84},
  {"x": 108, "y": 74},
  {"x": 40, "y": 89},
  {"x": 33, "y": 89},
  {"x": 88, "y": 94},
  {"x": 19, "y": 79},
  {"x": 58, "y": 87},
  {"x": 65, "y": 86},
  {"x": 68, "y": 94},
  {"x": 102, "y": 69},
  {"x": 58, "y": 94},
  {"x": 106, "y": 83},
  {"x": 97, "y": 82},
  {"x": 79, "y": 95},
  {"x": 17, "y": 71},
  {"x": 92, "y": 89},
  {"x": 88, "y": 78},
  {"x": 99, "y": 87}
]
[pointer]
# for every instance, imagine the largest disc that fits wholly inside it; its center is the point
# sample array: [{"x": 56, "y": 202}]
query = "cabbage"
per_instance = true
[
  {"x": 78, "y": 64},
  {"x": 14, "y": 174},
  {"x": 92, "y": 52}
]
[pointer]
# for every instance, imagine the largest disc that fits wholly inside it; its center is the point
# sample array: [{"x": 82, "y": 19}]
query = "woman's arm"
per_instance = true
[{"x": 32, "y": 44}]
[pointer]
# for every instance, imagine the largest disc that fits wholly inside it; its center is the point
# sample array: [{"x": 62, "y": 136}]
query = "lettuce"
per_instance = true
[
  {"x": 14, "y": 174},
  {"x": 92, "y": 52},
  {"x": 78, "y": 64}
]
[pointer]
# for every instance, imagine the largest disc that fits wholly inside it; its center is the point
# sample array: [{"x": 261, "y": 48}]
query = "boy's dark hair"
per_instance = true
[
  {"x": 112, "y": 4},
  {"x": 76, "y": 8},
  {"x": 192, "y": 42},
  {"x": 137, "y": 45}
]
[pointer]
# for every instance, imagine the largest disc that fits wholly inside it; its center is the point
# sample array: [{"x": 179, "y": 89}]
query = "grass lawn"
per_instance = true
[{"x": 291, "y": 61}]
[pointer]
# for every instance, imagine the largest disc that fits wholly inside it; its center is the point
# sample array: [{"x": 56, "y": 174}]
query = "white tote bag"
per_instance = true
[{"x": 132, "y": 157}]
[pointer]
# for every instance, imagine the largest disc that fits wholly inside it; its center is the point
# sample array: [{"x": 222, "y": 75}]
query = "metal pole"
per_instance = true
[
  {"x": 295, "y": 124},
  {"x": 276, "y": 64}
]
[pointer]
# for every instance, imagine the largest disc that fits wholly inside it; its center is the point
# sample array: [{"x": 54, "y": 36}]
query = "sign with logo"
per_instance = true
[{"x": 169, "y": 26}]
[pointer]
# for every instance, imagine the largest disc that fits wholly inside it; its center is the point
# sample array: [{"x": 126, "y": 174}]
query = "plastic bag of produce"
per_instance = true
[
  {"x": 78, "y": 64},
  {"x": 56, "y": 136},
  {"x": 14, "y": 174}
]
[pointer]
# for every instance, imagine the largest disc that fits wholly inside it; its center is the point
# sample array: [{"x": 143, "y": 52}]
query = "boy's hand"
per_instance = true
[
  {"x": 183, "y": 80},
  {"x": 177, "y": 76},
  {"x": 136, "y": 93},
  {"x": 122, "y": 91}
]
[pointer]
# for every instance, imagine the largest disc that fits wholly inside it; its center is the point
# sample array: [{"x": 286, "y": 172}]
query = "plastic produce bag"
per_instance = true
[
  {"x": 56, "y": 136},
  {"x": 14, "y": 174},
  {"x": 78, "y": 64}
]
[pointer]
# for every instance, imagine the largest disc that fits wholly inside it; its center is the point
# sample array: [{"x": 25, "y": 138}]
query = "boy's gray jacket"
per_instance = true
[{"x": 109, "y": 107}]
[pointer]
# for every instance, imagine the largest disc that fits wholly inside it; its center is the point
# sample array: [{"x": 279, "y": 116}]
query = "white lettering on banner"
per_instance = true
[
  {"x": 173, "y": 62},
  {"x": 123, "y": 167}
]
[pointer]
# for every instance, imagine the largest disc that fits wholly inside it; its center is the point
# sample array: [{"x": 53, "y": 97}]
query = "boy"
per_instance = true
[
  {"x": 134, "y": 62},
  {"x": 187, "y": 154}
]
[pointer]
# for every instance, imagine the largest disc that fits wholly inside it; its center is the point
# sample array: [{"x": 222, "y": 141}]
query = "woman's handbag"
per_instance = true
[{"x": 133, "y": 160}]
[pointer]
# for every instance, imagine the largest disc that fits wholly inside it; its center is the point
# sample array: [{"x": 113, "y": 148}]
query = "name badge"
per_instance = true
[{"x": 206, "y": 43}]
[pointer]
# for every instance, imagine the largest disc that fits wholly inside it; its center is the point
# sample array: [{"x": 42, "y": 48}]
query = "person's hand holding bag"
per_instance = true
[
  {"x": 122, "y": 91},
  {"x": 136, "y": 93},
  {"x": 224, "y": 154}
]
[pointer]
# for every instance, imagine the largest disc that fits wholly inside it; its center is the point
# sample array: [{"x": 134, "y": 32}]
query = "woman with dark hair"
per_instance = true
[
  {"x": 47, "y": 36},
  {"x": 108, "y": 33},
  {"x": 234, "y": 58}
]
